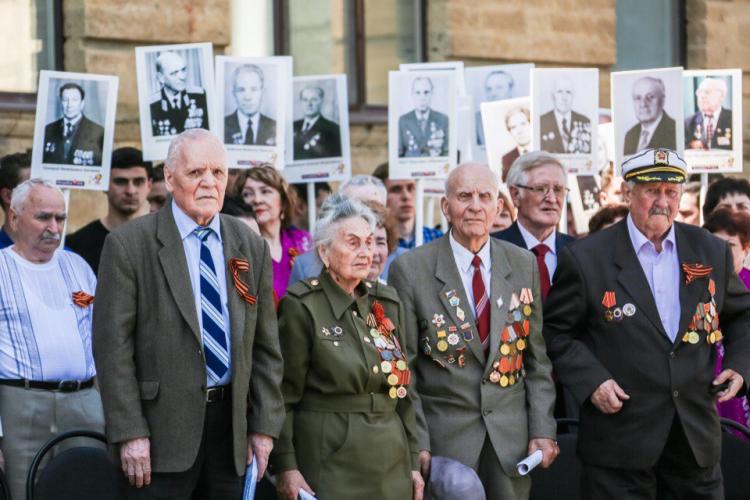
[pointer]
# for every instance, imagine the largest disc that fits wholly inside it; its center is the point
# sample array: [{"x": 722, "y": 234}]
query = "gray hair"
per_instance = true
[
  {"x": 658, "y": 83},
  {"x": 336, "y": 209},
  {"x": 248, "y": 68},
  {"x": 21, "y": 192},
  {"x": 174, "y": 153},
  {"x": 364, "y": 180},
  {"x": 519, "y": 171}
]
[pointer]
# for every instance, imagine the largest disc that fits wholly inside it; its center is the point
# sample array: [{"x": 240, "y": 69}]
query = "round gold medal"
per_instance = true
[
  {"x": 608, "y": 315},
  {"x": 393, "y": 393},
  {"x": 442, "y": 345},
  {"x": 504, "y": 349},
  {"x": 527, "y": 310},
  {"x": 392, "y": 379},
  {"x": 511, "y": 380},
  {"x": 401, "y": 365},
  {"x": 693, "y": 337},
  {"x": 520, "y": 344},
  {"x": 711, "y": 338},
  {"x": 504, "y": 381}
]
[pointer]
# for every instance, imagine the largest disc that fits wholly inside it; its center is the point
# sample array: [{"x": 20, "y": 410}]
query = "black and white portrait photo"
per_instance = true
[
  {"x": 508, "y": 129},
  {"x": 423, "y": 131},
  {"x": 713, "y": 120},
  {"x": 646, "y": 108},
  {"x": 175, "y": 93},
  {"x": 253, "y": 95},
  {"x": 320, "y": 129},
  {"x": 75, "y": 125}
]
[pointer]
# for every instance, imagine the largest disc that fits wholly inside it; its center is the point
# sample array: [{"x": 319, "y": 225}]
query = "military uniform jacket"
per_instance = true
[
  {"x": 321, "y": 140},
  {"x": 265, "y": 135},
  {"x": 344, "y": 433},
  {"x": 552, "y": 136},
  {"x": 721, "y": 138},
  {"x": 166, "y": 119},
  {"x": 459, "y": 403},
  {"x": 85, "y": 144},
  {"x": 149, "y": 351},
  {"x": 413, "y": 142},
  {"x": 662, "y": 377}
]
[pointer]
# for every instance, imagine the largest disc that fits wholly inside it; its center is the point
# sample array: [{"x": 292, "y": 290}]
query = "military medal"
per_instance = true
[
  {"x": 499, "y": 302},
  {"x": 393, "y": 393},
  {"x": 504, "y": 349},
  {"x": 325, "y": 331},
  {"x": 503, "y": 381},
  {"x": 386, "y": 367},
  {"x": 454, "y": 301},
  {"x": 617, "y": 314},
  {"x": 453, "y": 339},
  {"x": 494, "y": 377},
  {"x": 628, "y": 309},
  {"x": 401, "y": 392},
  {"x": 609, "y": 301},
  {"x": 438, "y": 320},
  {"x": 526, "y": 297},
  {"x": 460, "y": 314},
  {"x": 401, "y": 364},
  {"x": 520, "y": 344},
  {"x": 392, "y": 379},
  {"x": 693, "y": 337}
]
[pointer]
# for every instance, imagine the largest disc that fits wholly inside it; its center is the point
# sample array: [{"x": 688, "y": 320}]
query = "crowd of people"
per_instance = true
[{"x": 220, "y": 329}]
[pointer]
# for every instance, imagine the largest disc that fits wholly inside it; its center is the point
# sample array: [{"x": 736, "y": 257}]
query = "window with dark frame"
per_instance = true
[{"x": 362, "y": 38}]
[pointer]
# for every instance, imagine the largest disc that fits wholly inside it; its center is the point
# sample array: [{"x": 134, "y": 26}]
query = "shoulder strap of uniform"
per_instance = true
[{"x": 304, "y": 287}]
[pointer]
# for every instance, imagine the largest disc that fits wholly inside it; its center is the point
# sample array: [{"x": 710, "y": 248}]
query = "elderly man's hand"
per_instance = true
[
  {"x": 259, "y": 446},
  {"x": 608, "y": 397},
  {"x": 288, "y": 484},
  {"x": 417, "y": 485},
  {"x": 425, "y": 458},
  {"x": 549, "y": 448},
  {"x": 735, "y": 384},
  {"x": 135, "y": 456}
]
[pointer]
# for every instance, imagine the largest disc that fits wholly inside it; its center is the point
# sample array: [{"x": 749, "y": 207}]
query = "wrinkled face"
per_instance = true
[
  {"x": 349, "y": 254},
  {"x": 735, "y": 245},
  {"x": 497, "y": 87},
  {"x": 648, "y": 100},
  {"x": 421, "y": 94},
  {"x": 709, "y": 97},
  {"x": 562, "y": 96},
  {"x": 40, "y": 223},
  {"x": 471, "y": 204},
  {"x": 735, "y": 201},
  {"x": 265, "y": 200},
  {"x": 653, "y": 206},
  {"x": 173, "y": 74},
  {"x": 688, "y": 211},
  {"x": 157, "y": 196},
  {"x": 519, "y": 128},
  {"x": 248, "y": 91},
  {"x": 401, "y": 198},
  {"x": 379, "y": 253},
  {"x": 536, "y": 209},
  {"x": 128, "y": 189},
  {"x": 199, "y": 181},
  {"x": 311, "y": 102},
  {"x": 72, "y": 103}
]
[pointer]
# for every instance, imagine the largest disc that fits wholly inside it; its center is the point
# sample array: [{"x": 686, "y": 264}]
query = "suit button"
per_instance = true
[{"x": 675, "y": 394}]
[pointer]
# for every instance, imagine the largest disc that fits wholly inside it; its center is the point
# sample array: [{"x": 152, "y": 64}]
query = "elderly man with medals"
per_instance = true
[
  {"x": 632, "y": 324},
  {"x": 484, "y": 393},
  {"x": 350, "y": 425}
]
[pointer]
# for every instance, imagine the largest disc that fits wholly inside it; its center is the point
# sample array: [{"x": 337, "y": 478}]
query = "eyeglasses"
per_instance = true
[{"x": 542, "y": 191}]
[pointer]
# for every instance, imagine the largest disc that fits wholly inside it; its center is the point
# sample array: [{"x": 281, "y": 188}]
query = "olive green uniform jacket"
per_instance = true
[{"x": 343, "y": 432}]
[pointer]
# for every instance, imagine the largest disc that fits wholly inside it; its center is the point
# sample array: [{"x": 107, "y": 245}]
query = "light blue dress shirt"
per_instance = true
[
  {"x": 662, "y": 270},
  {"x": 192, "y": 246}
]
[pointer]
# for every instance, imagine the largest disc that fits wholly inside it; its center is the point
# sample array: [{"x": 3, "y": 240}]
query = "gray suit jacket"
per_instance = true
[
  {"x": 148, "y": 349},
  {"x": 457, "y": 407}
]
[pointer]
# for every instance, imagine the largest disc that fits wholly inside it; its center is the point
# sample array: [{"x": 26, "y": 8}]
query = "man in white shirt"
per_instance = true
[
  {"x": 46, "y": 363},
  {"x": 247, "y": 125},
  {"x": 655, "y": 128}
]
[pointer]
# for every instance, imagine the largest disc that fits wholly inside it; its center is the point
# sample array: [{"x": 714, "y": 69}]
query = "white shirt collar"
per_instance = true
[
  {"x": 186, "y": 225},
  {"x": 560, "y": 117},
  {"x": 75, "y": 121},
  {"x": 463, "y": 256},
  {"x": 309, "y": 122},
  {"x": 638, "y": 239},
  {"x": 652, "y": 126},
  {"x": 531, "y": 240}
]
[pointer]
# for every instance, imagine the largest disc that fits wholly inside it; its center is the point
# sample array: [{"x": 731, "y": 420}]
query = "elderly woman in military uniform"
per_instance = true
[{"x": 350, "y": 424}]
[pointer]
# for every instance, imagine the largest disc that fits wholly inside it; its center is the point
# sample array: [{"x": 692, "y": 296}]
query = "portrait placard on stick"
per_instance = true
[
  {"x": 508, "y": 130},
  {"x": 74, "y": 129}
]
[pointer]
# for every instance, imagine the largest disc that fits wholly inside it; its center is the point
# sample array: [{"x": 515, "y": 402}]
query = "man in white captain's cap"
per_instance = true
[{"x": 632, "y": 324}]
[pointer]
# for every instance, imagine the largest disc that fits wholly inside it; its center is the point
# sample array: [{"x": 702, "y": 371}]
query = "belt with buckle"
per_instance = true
[
  {"x": 218, "y": 393},
  {"x": 60, "y": 386}
]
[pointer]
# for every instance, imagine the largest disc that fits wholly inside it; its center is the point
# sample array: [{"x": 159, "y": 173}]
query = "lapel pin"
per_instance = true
[
  {"x": 628, "y": 309},
  {"x": 499, "y": 302}
]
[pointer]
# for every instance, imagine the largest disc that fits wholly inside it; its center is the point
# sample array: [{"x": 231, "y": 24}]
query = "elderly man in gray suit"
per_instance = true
[
  {"x": 473, "y": 317},
  {"x": 185, "y": 337}
]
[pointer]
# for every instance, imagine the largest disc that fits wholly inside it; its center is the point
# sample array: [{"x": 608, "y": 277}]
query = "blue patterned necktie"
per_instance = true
[{"x": 214, "y": 331}]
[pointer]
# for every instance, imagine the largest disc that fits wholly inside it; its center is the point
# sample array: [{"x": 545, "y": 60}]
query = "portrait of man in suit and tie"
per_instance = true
[
  {"x": 711, "y": 126},
  {"x": 498, "y": 85},
  {"x": 518, "y": 123},
  {"x": 563, "y": 130},
  {"x": 247, "y": 125},
  {"x": 176, "y": 107},
  {"x": 73, "y": 139},
  {"x": 655, "y": 128},
  {"x": 315, "y": 136},
  {"x": 422, "y": 131}
]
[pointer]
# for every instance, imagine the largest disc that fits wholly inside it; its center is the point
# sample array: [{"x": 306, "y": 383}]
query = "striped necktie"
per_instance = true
[
  {"x": 481, "y": 311},
  {"x": 214, "y": 331}
]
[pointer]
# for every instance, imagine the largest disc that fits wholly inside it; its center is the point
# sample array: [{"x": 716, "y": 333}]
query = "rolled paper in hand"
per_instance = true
[
  {"x": 527, "y": 464},
  {"x": 251, "y": 479},
  {"x": 303, "y": 495}
]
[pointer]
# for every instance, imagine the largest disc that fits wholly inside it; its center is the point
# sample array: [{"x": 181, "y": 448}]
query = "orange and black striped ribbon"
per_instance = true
[
  {"x": 82, "y": 299},
  {"x": 237, "y": 266},
  {"x": 695, "y": 271}
]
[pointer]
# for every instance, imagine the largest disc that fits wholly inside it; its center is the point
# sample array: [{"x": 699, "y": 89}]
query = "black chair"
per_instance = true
[
  {"x": 79, "y": 473},
  {"x": 735, "y": 460},
  {"x": 562, "y": 480}
]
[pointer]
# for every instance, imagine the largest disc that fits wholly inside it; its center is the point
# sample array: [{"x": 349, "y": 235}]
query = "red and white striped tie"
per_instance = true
[{"x": 481, "y": 309}]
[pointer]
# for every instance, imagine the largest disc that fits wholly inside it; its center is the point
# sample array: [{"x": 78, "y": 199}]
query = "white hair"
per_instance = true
[
  {"x": 519, "y": 171},
  {"x": 21, "y": 192},
  {"x": 713, "y": 83},
  {"x": 365, "y": 180},
  {"x": 174, "y": 153},
  {"x": 337, "y": 210}
]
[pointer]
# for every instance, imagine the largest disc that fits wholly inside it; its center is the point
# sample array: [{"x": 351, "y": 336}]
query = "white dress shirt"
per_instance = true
[
  {"x": 463, "y": 258},
  {"x": 550, "y": 258},
  {"x": 308, "y": 123},
  {"x": 192, "y": 246}
]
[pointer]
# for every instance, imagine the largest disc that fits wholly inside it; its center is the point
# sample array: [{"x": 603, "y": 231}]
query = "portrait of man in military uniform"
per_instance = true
[
  {"x": 711, "y": 126},
  {"x": 563, "y": 130},
  {"x": 247, "y": 125},
  {"x": 315, "y": 136},
  {"x": 176, "y": 107},
  {"x": 422, "y": 131},
  {"x": 73, "y": 139}
]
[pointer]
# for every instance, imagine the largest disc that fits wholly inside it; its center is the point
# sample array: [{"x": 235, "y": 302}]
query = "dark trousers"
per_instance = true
[
  {"x": 212, "y": 476},
  {"x": 676, "y": 476}
]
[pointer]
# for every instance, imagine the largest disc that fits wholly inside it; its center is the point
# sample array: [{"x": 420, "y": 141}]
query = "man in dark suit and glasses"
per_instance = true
[
  {"x": 314, "y": 135},
  {"x": 247, "y": 125},
  {"x": 73, "y": 139},
  {"x": 655, "y": 128},
  {"x": 632, "y": 324}
]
